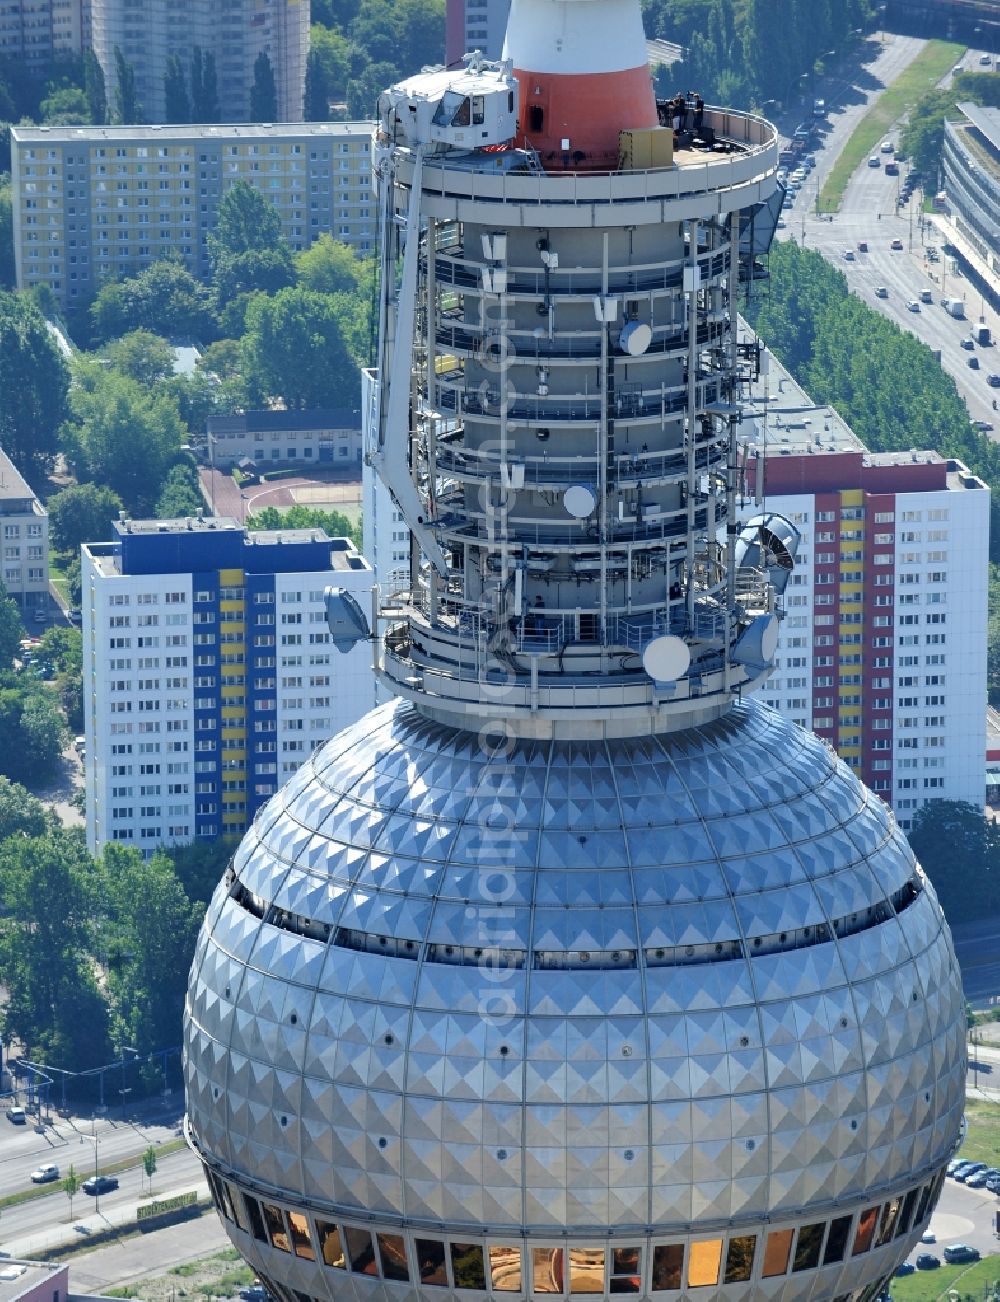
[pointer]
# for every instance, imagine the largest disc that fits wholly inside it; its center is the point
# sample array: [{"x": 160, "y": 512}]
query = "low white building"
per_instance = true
[
  {"x": 322, "y": 437},
  {"x": 25, "y": 540}
]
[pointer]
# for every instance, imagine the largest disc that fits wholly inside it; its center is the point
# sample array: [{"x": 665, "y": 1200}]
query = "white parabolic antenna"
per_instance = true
[
  {"x": 666, "y": 659},
  {"x": 579, "y": 501},
  {"x": 635, "y": 338}
]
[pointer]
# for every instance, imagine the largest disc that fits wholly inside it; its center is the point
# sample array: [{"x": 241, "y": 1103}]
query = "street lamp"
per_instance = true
[{"x": 124, "y": 1092}]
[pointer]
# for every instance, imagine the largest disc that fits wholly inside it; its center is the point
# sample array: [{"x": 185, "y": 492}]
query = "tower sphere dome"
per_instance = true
[{"x": 636, "y": 1015}]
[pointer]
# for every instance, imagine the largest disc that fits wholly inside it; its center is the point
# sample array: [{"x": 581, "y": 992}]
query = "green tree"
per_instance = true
[
  {"x": 94, "y": 88},
  {"x": 11, "y": 628},
  {"x": 330, "y": 267},
  {"x": 336, "y": 524},
  {"x": 142, "y": 356},
  {"x": 21, "y": 814},
  {"x": 364, "y": 88},
  {"x": 178, "y": 106},
  {"x": 247, "y": 248},
  {"x": 8, "y": 272},
  {"x": 152, "y": 929},
  {"x": 317, "y": 97},
  {"x": 82, "y": 513},
  {"x": 204, "y": 87},
  {"x": 66, "y": 106},
  {"x": 163, "y": 298},
  {"x": 31, "y": 729},
  {"x": 959, "y": 849},
  {"x": 34, "y": 384},
  {"x": 198, "y": 867},
  {"x": 71, "y": 1187},
  {"x": 54, "y": 1006},
  {"x": 124, "y": 436},
  {"x": 63, "y": 648},
  {"x": 180, "y": 495},
  {"x": 264, "y": 91},
  {"x": 149, "y": 1165},
  {"x": 332, "y": 51},
  {"x": 128, "y": 110},
  {"x": 294, "y": 348}
]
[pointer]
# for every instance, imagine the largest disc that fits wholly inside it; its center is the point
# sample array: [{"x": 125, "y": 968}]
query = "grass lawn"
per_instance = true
[
  {"x": 929, "y": 1285},
  {"x": 982, "y": 1142},
  {"x": 58, "y": 576},
  {"x": 895, "y": 103}
]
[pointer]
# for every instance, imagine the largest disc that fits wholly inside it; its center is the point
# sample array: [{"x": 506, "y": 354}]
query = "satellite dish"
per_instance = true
[
  {"x": 579, "y": 501},
  {"x": 666, "y": 659},
  {"x": 635, "y": 338},
  {"x": 757, "y": 644}
]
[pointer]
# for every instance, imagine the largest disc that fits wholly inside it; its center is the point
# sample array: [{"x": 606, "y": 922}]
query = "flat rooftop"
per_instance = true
[
  {"x": 181, "y": 132},
  {"x": 795, "y": 425},
  {"x": 18, "y": 1277}
]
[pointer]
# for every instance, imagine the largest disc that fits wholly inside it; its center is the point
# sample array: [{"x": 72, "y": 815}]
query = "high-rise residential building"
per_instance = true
[
  {"x": 25, "y": 526},
  {"x": 95, "y": 203},
  {"x": 234, "y": 32},
  {"x": 576, "y": 970},
  {"x": 209, "y": 673},
  {"x": 386, "y": 535},
  {"x": 883, "y": 648},
  {"x": 34, "y": 32},
  {"x": 971, "y": 164}
]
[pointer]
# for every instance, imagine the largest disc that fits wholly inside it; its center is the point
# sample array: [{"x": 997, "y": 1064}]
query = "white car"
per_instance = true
[
  {"x": 913, "y": 306},
  {"x": 928, "y": 1236},
  {"x": 985, "y": 60},
  {"x": 874, "y": 161},
  {"x": 45, "y": 1173},
  {"x": 887, "y": 147},
  {"x": 848, "y": 255},
  {"x": 16, "y": 1115}
]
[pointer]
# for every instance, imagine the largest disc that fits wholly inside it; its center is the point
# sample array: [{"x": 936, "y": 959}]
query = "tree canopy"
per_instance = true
[
  {"x": 34, "y": 386},
  {"x": 264, "y": 91},
  {"x": 82, "y": 513},
  {"x": 247, "y": 247},
  {"x": 295, "y": 345},
  {"x": 336, "y": 524},
  {"x": 164, "y": 298},
  {"x": 142, "y": 356}
]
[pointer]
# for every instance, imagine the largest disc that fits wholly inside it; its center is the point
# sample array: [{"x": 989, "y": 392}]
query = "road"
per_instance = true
[
  {"x": 977, "y": 945},
  {"x": 70, "y": 1142},
  {"x": 869, "y": 214}
]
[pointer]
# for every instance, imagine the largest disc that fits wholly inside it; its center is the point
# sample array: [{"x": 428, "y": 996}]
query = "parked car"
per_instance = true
[
  {"x": 17, "y": 1115},
  {"x": 978, "y": 1179},
  {"x": 971, "y": 1167},
  {"x": 905, "y": 1268},
  {"x": 99, "y": 1184},
  {"x": 896, "y": 245},
  {"x": 874, "y": 161},
  {"x": 40, "y": 617},
  {"x": 892, "y": 168},
  {"x": 913, "y": 306},
  {"x": 45, "y": 1173},
  {"x": 953, "y": 1166},
  {"x": 255, "y": 1292},
  {"x": 887, "y": 147},
  {"x": 928, "y": 1261},
  {"x": 928, "y": 1236},
  {"x": 993, "y": 380},
  {"x": 957, "y": 1252}
]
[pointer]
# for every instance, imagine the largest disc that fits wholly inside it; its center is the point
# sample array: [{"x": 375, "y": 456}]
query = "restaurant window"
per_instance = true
[
  {"x": 546, "y": 1270},
  {"x": 431, "y": 1263},
  {"x": 256, "y": 1220},
  {"x": 301, "y": 1241},
  {"x": 703, "y": 1263},
  {"x": 890, "y": 1215},
  {"x": 626, "y": 1270},
  {"x": 505, "y": 1269},
  {"x": 807, "y": 1247},
  {"x": 836, "y": 1242},
  {"x": 467, "y": 1268},
  {"x": 586, "y": 1270},
  {"x": 739, "y": 1259},
  {"x": 276, "y": 1230},
  {"x": 392, "y": 1255},
  {"x": 668, "y": 1263},
  {"x": 866, "y": 1229},
  {"x": 776, "y": 1250},
  {"x": 330, "y": 1246},
  {"x": 360, "y": 1251}
]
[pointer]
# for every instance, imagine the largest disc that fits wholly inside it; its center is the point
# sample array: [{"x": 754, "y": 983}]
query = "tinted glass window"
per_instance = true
[
  {"x": 626, "y": 1270},
  {"x": 890, "y": 1215},
  {"x": 703, "y": 1263},
  {"x": 467, "y": 1268},
  {"x": 807, "y": 1246},
  {"x": 360, "y": 1251},
  {"x": 505, "y": 1269},
  {"x": 546, "y": 1270},
  {"x": 276, "y": 1227},
  {"x": 330, "y": 1246},
  {"x": 866, "y": 1229},
  {"x": 301, "y": 1241},
  {"x": 907, "y": 1216},
  {"x": 586, "y": 1270},
  {"x": 430, "y": 1262},
  {"x": 239, "y": 1211},
  {"x": 392, "y": 1253},
  {"x": 668, "y": 1262},
  {"x": 836, "y": 1243},
  {"x": 739, "y": 1259},
  {"x": 776, "y": 1250},
  {"x": 256, "y": 1220}
]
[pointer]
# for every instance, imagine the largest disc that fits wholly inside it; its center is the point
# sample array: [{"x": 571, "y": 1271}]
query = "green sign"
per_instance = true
[{"x": 165, "y": 1205}]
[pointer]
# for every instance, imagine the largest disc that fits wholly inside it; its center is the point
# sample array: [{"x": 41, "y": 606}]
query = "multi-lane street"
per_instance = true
[{"x": 869, "y": 215}]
